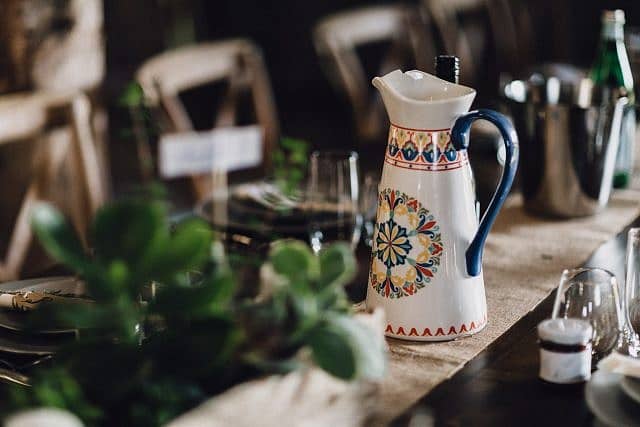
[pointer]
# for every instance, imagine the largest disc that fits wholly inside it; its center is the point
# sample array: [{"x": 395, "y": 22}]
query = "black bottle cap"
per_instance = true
[{"x": 448, "y": 68}]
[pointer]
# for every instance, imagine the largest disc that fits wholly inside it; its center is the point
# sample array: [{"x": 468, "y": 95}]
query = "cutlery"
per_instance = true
[{"x": 12, "y": 377}]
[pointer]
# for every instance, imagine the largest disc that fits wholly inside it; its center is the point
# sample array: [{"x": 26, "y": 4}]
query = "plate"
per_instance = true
[
  {"x": 250, "y": 218},
  {"x": 246, "y": 216},
  {"x": 62, "y": 285},
  {"x": 609, "y": 403},
  {"x": 38, "y": 345},
  {"x": 631, "y": 386}
]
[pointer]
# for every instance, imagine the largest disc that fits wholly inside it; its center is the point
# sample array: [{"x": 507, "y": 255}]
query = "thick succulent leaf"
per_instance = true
[
  {"x": 337, "y": 265},
  {"x": 129, "y": 230},
  {"x": 369, "y": 352},
  {"x": 347, "y": 349},
  {"x": 333, "y": 352},
  {"x": 294, "y": 260},
  {"x": 58, "y": 237},
  {"x": 221, "y": 287},
  {"x": 207, "y": 300},
  {"x": 204, "y": 347},
  {"x": 188, "y": 248}
]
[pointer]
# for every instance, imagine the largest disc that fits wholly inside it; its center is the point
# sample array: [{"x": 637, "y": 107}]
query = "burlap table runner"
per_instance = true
[{"x": 523, "y": 259}]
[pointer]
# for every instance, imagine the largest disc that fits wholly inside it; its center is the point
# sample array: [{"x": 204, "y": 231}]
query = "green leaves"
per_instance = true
[
  {"x": 293, "y": 259},
  {"x": 132, "y": 96},
  {"x": 337, "y": 265},
  {"x": 290, "y": 164},
  {"x": 58, "y": 237},
  {"x": 203, "y": 332},
  {"x": 333, "y": 352},
  {"x": 340, "y": 345},
  {"x": 134, "y": 231},
  {"x": 57, "y": 388},
  {"x": 187, "y": 249},
  {"x": 347, "y": 349}
]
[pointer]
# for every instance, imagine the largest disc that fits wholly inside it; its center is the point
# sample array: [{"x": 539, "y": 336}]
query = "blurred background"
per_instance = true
[{"x": 298, "y": 69}]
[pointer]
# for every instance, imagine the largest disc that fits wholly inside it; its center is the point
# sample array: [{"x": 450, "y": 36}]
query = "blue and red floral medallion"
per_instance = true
[
  {"x": 407, "y": 246},
  {"x": 423, "y": 149}
]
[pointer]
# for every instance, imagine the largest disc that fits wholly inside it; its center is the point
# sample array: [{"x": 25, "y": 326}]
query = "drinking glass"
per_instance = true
[
  {"x": 631, "y": 297},
  {"x": 632, "y": 43},
  {"x": 591, "y": 294},
  {"x": 332, "y": 199},
  {"x": 369, "y": 205}
]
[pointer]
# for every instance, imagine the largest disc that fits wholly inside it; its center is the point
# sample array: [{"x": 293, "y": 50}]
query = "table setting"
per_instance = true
[{"x": 321, "y": 294}]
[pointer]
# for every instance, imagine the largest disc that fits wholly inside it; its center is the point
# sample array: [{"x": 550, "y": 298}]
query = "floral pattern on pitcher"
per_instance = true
[
  {"x": 407, "y": 246},
  {"x": 423, "y": 149}
]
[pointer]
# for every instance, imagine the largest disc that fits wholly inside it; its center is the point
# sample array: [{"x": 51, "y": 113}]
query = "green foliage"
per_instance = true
[
  {"x": 144, "y": 127},
  {"x": 145, "y": 363},
  {"x": 290, "y": 161},
  {"x": 58, "y": 389},
  {"x": 132, "y": 96},
  {"x": 58, "y": 237}
]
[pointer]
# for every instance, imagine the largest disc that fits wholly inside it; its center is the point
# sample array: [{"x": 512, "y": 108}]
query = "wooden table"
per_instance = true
[{"x": 500, "y": 387}]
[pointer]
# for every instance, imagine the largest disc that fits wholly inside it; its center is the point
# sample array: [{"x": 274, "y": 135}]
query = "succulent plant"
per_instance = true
[{"x": 203, "y": 332}]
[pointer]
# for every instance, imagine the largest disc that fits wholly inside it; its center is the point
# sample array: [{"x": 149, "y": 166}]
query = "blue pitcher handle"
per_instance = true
[{"x": 460, "y": 141}]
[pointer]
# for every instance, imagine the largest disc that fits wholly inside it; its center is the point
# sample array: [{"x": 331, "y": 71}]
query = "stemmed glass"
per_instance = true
[
  {"x": 369, "y": 205},
  {"x": 592, "y": 294},
  {"x": 332, "y": 199},
  {"x": 630, "y": 343}
]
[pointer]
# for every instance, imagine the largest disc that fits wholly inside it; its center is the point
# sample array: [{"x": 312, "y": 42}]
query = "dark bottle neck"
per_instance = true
[{"x": 447, "y": 68}]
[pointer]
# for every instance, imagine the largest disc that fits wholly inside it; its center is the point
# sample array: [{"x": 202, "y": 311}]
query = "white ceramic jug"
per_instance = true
[{"x": 427, "y": 244}]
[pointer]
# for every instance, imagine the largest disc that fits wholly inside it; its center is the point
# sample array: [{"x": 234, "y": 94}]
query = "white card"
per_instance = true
[{"x": 222, "y": 149}]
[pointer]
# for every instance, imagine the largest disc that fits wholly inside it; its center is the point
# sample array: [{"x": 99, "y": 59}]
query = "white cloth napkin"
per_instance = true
[
  {"x": 266, "y": 194},
  {"x": 25, "y": 301},
  {"x": 308, "y": 398}
]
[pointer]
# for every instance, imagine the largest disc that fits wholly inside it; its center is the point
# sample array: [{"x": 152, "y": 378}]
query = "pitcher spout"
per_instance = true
[{"x": 419, "y": 100}]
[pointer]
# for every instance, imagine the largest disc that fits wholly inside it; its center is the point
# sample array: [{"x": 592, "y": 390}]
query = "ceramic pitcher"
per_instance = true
[{"x": 426, "y": 263}]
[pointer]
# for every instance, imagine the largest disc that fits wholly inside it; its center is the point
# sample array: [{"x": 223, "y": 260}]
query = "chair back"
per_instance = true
[
  {"x": 238, "y": 62},
  {"x": 60, "y": 125},
  {"x": 337, "y": 38},
  {"x": 485, "y": 34}
]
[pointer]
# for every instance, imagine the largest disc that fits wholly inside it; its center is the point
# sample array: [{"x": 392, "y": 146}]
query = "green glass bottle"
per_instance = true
[{"x": 611, "y": 68}]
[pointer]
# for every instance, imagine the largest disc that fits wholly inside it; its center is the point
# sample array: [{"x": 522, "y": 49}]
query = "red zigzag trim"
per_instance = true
[{"x": 413, "y": 332}]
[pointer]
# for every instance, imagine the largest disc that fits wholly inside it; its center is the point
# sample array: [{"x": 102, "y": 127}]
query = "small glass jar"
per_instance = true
[{"x": 565, "y": 350}]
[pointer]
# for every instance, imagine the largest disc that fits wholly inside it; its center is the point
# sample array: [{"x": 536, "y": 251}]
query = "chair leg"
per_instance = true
[
  {"x": 21, "y": 236},
  {"x": 85, "y": 153},
  {"x": 48, "y": 164}
]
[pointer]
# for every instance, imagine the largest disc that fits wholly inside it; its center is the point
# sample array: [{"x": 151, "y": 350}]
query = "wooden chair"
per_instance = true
[
  {"x": 43, "y": 116},
  {"x": 238, "y": 62},
  {"x": 487, "y": 36},
  {"x": 337, "y": 37}
]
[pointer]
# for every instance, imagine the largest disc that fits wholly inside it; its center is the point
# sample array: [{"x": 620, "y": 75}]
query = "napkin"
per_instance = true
[
  {"x": 266, "y": 194},
  {"x": 620, "y": 364},
  {"x": 307, "y": 397},
  {"x": 26, "y": 301}
]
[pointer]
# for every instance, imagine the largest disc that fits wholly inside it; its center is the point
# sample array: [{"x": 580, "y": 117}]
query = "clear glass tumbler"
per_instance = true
[
  {"x": 592, "y": 294},
  {"x": 332, "y": 199},
  {"x": 631, "y": 297}
]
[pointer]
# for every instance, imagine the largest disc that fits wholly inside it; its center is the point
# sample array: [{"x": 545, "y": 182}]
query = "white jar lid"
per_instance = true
[{"x": 565, "y": 331}]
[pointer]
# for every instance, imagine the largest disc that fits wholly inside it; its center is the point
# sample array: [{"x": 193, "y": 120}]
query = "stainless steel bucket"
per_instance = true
[{"x": 569, "y": 134}]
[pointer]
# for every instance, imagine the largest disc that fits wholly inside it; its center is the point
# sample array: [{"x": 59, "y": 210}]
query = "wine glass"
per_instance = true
[
  {"x": 369, "y": 205},
  {"x": 591, "y": 294},
  {"x": 630, "y": 343},
  {"x": 332, "y": 199}
]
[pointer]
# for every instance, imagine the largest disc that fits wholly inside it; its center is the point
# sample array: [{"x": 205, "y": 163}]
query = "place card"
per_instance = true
[{"x": 221, "y": 149}]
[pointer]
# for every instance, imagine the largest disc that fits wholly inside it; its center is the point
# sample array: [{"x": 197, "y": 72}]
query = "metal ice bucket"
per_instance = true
[{"x": 569, "y": 134}]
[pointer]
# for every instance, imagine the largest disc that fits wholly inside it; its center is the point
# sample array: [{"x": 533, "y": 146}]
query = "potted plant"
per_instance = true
[{"x": 146, "y": 362}]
